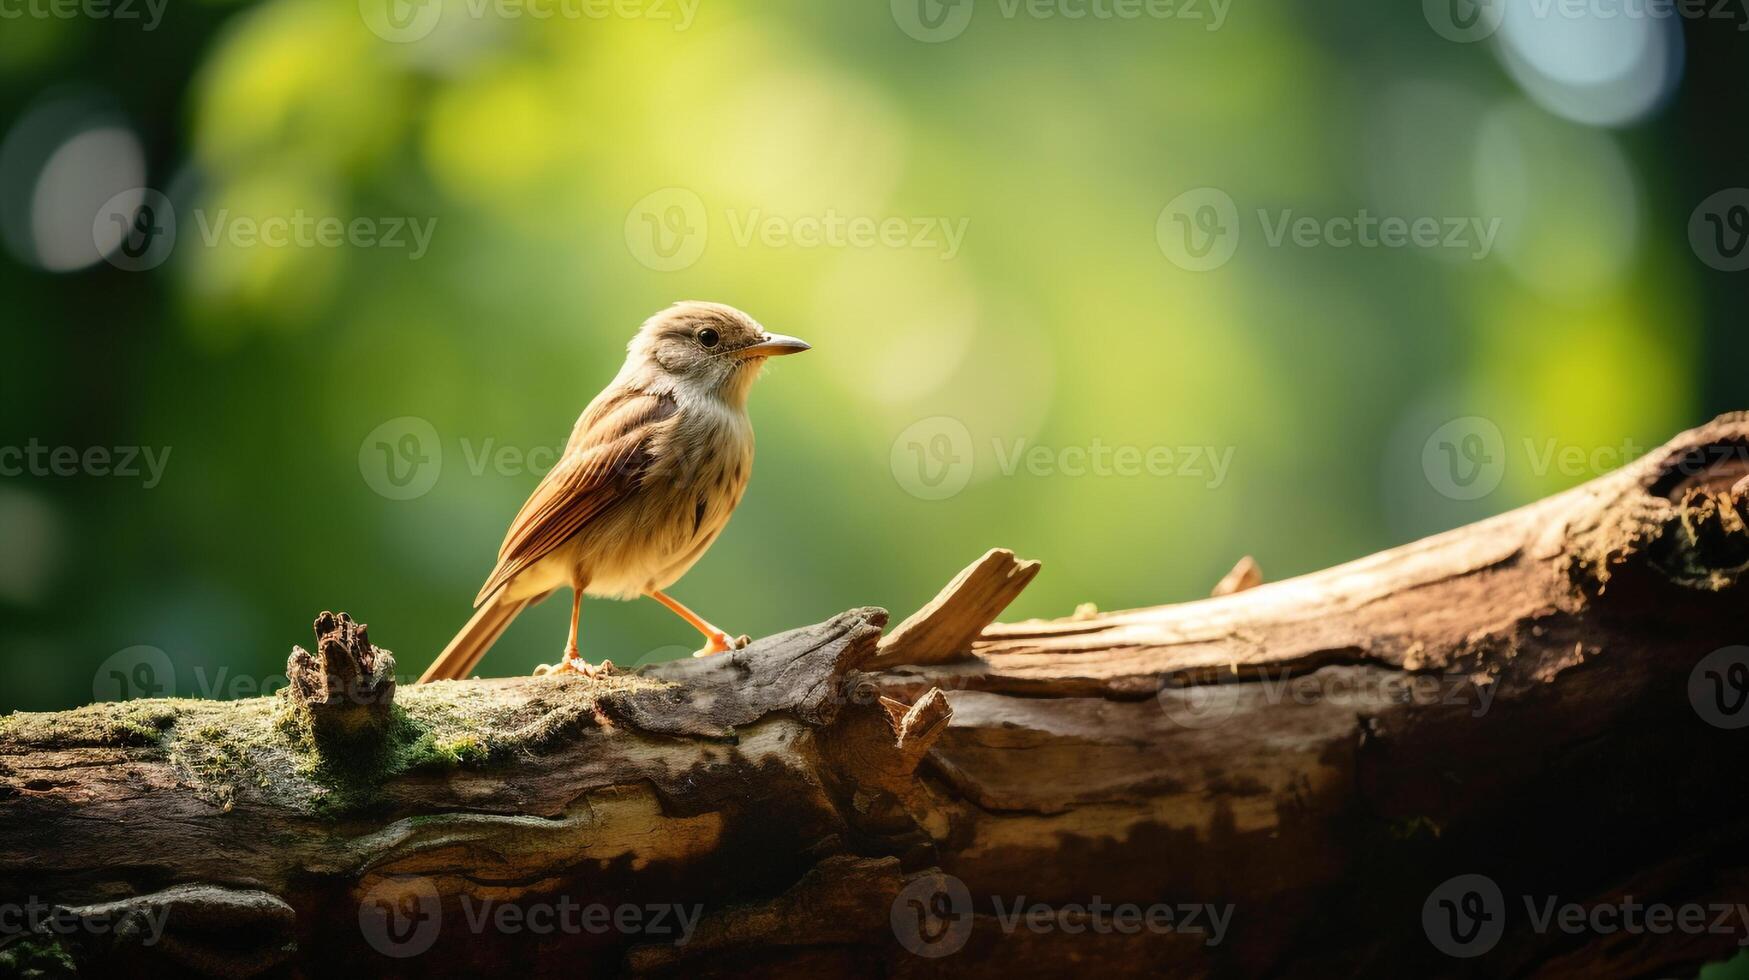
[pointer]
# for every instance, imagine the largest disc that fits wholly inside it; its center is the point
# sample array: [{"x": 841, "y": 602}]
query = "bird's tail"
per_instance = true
[{"x": 458, "y": 660}]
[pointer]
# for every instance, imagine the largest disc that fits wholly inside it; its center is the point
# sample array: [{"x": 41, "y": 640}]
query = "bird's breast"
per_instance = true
[{"x": 683, "y": 501}]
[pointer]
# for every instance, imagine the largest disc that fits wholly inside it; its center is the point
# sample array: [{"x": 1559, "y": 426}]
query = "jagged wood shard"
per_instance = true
[
  {"x": 1245, "y": 575},
  {"x": 1521, "y": 699},
  {"x": 944, "y": 629}
]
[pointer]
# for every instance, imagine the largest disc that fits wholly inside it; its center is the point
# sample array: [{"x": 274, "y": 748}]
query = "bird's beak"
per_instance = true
[{"x": 774, "y": 345}]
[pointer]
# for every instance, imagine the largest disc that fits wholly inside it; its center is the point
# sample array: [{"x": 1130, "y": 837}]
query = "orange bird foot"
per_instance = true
[{"x": 722, "y": 642}]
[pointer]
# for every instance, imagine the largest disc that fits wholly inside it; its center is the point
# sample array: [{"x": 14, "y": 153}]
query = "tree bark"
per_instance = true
[{"x": 1287, "y": 777}]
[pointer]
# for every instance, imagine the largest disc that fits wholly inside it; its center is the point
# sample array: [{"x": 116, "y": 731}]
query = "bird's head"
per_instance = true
[{"x": 705, "y": 348}]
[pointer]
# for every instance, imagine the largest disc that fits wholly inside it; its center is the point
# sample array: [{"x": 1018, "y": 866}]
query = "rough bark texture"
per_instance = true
[{"x": 1292, "y": 771}]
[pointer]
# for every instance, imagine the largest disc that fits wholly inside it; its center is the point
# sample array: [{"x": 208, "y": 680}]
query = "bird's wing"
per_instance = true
[{"x": 609, "y": 452}]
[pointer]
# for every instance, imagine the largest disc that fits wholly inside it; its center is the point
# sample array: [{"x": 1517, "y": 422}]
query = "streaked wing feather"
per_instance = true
[{"x": 609, "y": 451}]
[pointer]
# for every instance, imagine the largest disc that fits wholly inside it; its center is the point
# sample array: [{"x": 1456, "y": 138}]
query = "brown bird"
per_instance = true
[{"x": 653, "y": 469}]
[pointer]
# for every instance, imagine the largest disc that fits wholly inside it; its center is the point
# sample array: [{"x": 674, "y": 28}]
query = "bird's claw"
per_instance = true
[
  {"x": 722, "y": 643},
  {"x": 575, "y": 665}
]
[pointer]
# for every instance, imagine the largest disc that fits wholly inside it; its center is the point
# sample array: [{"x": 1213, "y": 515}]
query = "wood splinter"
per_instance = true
[
  {"x": 1247, "y": 574},
  {"x": 943, "y": 630},
  {"x": 917, "y": 726}
]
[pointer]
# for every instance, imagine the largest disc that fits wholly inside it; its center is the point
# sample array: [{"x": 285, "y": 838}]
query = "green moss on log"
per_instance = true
[
  {"x": 36, "y": 956},
  {"x": 266, "y": 748}
]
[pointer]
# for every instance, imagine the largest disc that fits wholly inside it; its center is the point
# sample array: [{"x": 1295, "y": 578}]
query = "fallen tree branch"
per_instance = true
[{"x": 1311, "y": 775}]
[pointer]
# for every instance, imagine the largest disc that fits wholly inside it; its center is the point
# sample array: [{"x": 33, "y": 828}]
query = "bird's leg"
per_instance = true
[
  {"x": 716, "y": 641},
  {"x": 574, "y": 662}
]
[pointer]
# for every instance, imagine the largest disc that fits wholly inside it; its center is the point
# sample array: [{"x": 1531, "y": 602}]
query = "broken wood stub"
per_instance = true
[
  {"x": 1247, "y": 574},
  {"x": 347, "y": 687},
  {"x": 944, "y": 629}
]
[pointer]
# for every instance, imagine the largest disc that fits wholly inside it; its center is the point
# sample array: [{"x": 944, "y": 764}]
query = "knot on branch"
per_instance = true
[
  {"x": 1685, "y": 523},
  {"x": 347, "y": 686},
  {"x": 1705, "y": 544},
  {"x": 1700, "y": 543}
]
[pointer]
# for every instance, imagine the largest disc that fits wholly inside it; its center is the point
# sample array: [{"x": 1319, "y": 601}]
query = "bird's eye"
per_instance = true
[{"x": 708, "y": 338}]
